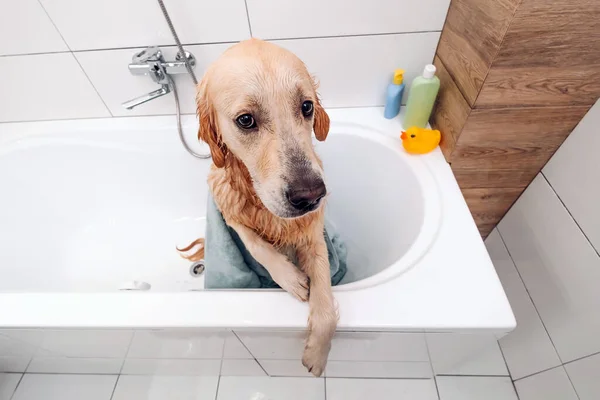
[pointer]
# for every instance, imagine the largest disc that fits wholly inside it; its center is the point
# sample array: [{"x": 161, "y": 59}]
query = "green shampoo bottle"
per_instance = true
[{"x": 423, "y": 91}]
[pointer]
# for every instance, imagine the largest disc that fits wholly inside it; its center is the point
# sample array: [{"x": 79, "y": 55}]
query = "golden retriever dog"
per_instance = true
[{"x": 258, "y": 106}]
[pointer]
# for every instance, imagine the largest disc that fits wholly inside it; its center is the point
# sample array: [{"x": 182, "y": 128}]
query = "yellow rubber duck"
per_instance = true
[{"x": 420, "y": 140}]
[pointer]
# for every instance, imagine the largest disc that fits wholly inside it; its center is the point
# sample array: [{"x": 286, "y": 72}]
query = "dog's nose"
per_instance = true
[{"x": 306, "y": 197}]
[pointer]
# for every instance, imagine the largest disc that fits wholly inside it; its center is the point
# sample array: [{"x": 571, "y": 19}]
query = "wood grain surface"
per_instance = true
[
  {"x": 471, "y": 38},
  {"x": 450, "y": 112},
  {"x": 488, "y": 205},
  {"x": 468, "y": 178},
  {"x": 550, "y": 56},
  {"x": 516, "y": 138}
]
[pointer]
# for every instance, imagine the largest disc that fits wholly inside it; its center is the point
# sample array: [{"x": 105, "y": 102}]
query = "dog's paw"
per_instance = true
[
  {"x": 315, "y": 359},
  {"x": 296, "y": 283}
]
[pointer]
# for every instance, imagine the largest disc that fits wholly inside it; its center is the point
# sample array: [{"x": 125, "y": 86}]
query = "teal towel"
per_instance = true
[{"x": 228, "y": 265}]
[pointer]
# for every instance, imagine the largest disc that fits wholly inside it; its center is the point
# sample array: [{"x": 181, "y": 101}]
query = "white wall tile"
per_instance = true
[
  {"x": 242, "y": 387},
  {"x": 559, "y": 267},
  {"x": 14, "y": 363},
  {"x": 553, "y": 384},
  {"x": 241, "y": 368},
  {"x": 13, "y": 347},
  {"x": 285, "y": 368},
  {"x": 475, "y": 388},
  {"x": 70, "y": 365},
  {"x": 140, "y": 366},
  {"x": 380, "y": 389},
  {"x": 355, "y": 71},
  {"x": 25, "y": 28},
  {"x": 274, "y": 345},
  {"x": 165, "y": 387},
  {"x": 585, "y": 374},
  {"x": 114, "y": 24},
  {"x": 86, "y": 343},
  {"x": 465, "y": 354},
  {"x": 528, "y": 349},
  {"x": 574, "y": 174},
  {"x": 378, "y": 346},
  {"x": 47, "y": 86},
  {"x": 108, "y": 72},
  {"x": 382, "y": 369},
  {"x": 294, "y": 19},
  {"x": 8, "y": 384},
  {"x": 177, "y": 344},
  {"x": 65, "y": 387}
]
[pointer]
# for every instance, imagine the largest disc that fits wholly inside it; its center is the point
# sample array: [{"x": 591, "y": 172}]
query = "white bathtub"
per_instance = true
[{"x": 89, "y": 206}]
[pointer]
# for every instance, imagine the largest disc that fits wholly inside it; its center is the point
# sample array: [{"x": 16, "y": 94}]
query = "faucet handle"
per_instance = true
[{"x": 149, "y": 54}]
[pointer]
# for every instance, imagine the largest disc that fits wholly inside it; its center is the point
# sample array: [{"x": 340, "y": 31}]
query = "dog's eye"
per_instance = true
[
  {"x": 246, "y": 121},
  {"x": 307, "y": 108}
]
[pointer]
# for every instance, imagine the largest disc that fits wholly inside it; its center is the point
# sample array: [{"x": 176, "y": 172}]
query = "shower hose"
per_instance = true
[{"x": 172, "y": 82}]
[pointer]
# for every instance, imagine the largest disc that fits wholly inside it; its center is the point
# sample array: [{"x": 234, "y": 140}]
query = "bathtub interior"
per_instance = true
[{"x": 93, "y": 213}]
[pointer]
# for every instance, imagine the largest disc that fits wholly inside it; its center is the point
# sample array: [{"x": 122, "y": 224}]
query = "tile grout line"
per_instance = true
[
  {"x": 249, "y": 352},
  {"x": 248, "y": 17},
  {"x": 512, "y": 381},
  {"x": 529, "y": 295},
  {"x": 115, "y": 388},
  {"x": 357, "y": 35},
  {"x": 18, "y": 383},
  {"x": 434, "y": 376},
  {"x": 569, "y": 212}
]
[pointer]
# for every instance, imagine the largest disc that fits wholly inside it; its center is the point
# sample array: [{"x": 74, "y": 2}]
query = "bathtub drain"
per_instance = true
[{"x": 197, "y": 268}]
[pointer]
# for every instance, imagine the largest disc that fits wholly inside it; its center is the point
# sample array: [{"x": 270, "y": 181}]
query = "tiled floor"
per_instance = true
[{"x": 136, "y": 387}]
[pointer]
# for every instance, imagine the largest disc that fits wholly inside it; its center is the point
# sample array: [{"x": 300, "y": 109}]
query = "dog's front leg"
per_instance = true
[
  {"x": 323, "y": 317},
  {"x": 282, "y": 270}
]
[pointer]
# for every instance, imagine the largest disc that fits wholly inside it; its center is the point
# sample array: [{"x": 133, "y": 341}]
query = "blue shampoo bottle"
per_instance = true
[{"x": 393, "y": 97}]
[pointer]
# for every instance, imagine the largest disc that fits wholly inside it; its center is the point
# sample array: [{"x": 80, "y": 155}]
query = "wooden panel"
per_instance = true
[
  {"x": 488, "y": 205},
  {"x": 516, "y": 139},
  {"x": 550, "y": 56},
  {"x": 451, "y": 110},
  {"x": 493, "y": 178},
  {"x": 471, "y": 38}
]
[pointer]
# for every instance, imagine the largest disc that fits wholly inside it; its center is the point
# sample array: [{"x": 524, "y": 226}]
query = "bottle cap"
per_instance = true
[
  {"x": 429, "y": 71},
  {"x": 398, "y": 76}
]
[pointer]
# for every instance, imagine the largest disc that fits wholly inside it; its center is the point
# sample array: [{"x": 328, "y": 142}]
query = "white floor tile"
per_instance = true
[
  {"x": 378, "y": 369},
  {"x": 177, "y": 344},
  {"x": 8, "y": 384},
  {"x": 475, "y": 388},
  {"x": 65, "y": 387},
  {"x": 465, "y": 354},
  {"x": 267, "y": 388},
  {"x": 141, "y": 366},
  {"x": 553, "y": 384},
  {"x": 381, "y": 389},
  {"x": 528, "y": 349},
  {"x": 166, "y": 387},
  {"x": 559, "y": 267},
  {"x": 234, "y": 348},
  {"x": 585, "y": 376},
  {"x": 378, "y": 346},
  {"x": 67, "y": 365},
  {"x": 13, "y": 363},
  {"x": 285, "y": 368},
  {"x": 241, "y": 368}
]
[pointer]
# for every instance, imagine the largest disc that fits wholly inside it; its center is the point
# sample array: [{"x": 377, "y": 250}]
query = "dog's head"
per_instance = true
[{"x": 258, "y": 103}]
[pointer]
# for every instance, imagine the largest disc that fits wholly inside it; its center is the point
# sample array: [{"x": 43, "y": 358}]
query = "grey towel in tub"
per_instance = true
[{"x": 228, "y": 265}]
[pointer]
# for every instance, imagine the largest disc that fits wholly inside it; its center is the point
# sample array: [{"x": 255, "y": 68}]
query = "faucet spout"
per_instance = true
[{"x": 164, "y": 89}]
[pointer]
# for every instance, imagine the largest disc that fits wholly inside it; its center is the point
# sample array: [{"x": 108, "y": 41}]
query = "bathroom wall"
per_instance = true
[
  {"x": 64, "y": 59},
  {"x": 546, "y": 251},
  {"x": 517, "y": 76}
]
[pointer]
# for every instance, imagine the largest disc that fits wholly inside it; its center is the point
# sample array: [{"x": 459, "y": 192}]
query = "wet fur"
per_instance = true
[{"x": 267, "y": 236}]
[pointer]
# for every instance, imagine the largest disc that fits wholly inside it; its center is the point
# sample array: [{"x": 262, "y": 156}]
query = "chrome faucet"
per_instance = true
[{"x": 151, "y": 62}]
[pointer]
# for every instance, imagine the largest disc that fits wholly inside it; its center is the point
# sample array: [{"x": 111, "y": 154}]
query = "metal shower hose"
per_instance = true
[{"x": 172, "y": 82}]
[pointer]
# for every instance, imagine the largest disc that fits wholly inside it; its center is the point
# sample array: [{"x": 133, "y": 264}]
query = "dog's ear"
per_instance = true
[
  {"x": 321, "y": 123},
  {"x": 208, "y": 131}
]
